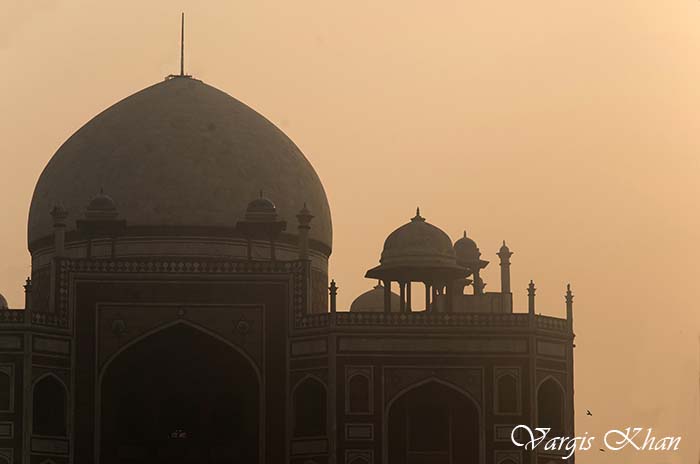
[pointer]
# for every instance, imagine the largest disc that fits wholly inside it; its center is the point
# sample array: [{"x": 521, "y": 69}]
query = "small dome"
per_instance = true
[
  {"x": 504, "y": 248},
  {"x": 101, "y": 207},
  {"x": 3, "y": 303},
  {"x": 261, "y": 210},
  {"x": 466, "y": 250},
  {"x": 418, "y": 243},
  {"x": 261, "y": 205},
  {"x": 373, "y": 301}
]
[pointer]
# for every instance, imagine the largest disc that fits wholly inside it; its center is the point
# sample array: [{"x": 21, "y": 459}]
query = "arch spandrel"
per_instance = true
[
  {"x": 123, "y": 325},
  {"x": 397, "y": 379}
]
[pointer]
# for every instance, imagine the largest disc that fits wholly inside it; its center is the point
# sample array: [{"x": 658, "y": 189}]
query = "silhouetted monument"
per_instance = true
[{"x": 178, "y": 312}]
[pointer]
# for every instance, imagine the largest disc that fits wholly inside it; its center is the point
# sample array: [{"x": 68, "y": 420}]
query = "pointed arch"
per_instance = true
[
  {"x": 359, "y": 460},
  {"x": 187, "y": 323},
  {"x": 436, "y": 420},
  {"x": 550, "y": 405},
  {"x": 309, "y": 407},
  {"x": 200, "y": 383},
  {"x": 359, "y": 399},
  {"x": 49, "y": 406}
]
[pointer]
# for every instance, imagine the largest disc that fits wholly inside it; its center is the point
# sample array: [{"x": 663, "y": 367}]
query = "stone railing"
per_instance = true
[
  {"x": 434, "y": 319},
  {"x": 552, "y": 323},
  {"x": 313, "y": 321},
  {"x": 48, "y": 319},
  {"x": 430, "y": 319},
  {"x": 12, "y": 316}
]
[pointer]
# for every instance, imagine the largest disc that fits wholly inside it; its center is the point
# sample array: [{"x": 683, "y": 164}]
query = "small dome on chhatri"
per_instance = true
[
  {"x": 418, "y": 243},
  {"x": 261, "y": 205},
  {"x": 101, "y": 207},
  {"x": 373, "y": 301},
  {"x": 261, "y": 209},
  {"x": 3, "y": 303},
  {"x": 466, "y": 250}
]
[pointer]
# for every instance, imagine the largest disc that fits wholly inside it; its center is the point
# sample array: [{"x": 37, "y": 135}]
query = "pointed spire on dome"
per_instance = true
[
  {"x": 418, "y": 217},
  {"x": 182, "y": 44},
  {"x": 182, "y": 50}
]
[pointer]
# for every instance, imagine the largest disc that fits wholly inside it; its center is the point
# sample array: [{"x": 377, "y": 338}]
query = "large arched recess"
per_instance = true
[
  {"x": 180, "y": 395},
  {"x": 435, "y": 423}
]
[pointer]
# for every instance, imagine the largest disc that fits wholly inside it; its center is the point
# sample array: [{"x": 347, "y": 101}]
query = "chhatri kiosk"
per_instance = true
[{"x": 179, "y": 311}]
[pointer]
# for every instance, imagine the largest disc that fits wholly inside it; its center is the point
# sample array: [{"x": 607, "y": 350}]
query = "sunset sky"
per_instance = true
[{"x": 571, "y": 129}]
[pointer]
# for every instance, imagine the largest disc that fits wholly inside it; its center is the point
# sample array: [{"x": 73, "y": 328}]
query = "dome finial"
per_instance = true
[
  {"x": 182, "y": 44},
  {"x": 418, "y": 217},
  {"x": 261, "y": 193},
  {"x": 465, "y": 234}
]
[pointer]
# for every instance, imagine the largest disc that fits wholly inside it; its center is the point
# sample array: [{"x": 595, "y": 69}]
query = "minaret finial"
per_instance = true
[{"x": 182, "y": 45}]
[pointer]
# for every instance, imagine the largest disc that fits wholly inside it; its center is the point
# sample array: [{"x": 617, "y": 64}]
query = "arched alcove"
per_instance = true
[
  {"x": 550, "y": 406},
  {"x": 507, "y": 394},
  {"x": 309, "y": 403},
  {"x": 180, "y": 395},
  {"x": 358, "y": 394},
  {"x": 5, "y": 391},
  {"x": 49, "y": 407}
]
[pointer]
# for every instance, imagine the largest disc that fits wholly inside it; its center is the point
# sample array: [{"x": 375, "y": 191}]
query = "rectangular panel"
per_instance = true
[{"x": 417, "y": 344}]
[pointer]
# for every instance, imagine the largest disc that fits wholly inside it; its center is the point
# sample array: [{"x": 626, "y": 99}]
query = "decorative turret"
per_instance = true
[
  {"x": 333, "y": 292},
  {"x": 101, "y": 221},
  {"x": 531, "y": 298},
  {"x": 28, "y": 293},
  {"x": 504, "y": 253},
  {"x": 59, "y": 215},
  {"x": 304, "y": 218},
  {"x": 261, "y": 223},
  {"x": 569, "y": 306}
]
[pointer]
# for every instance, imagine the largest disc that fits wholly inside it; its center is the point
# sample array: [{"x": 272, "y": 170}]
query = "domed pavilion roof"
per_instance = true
[
  {"x": 466, "y": 250},
  {"x": 180, "y": 155},
  {"x": 414, "y": 250}
]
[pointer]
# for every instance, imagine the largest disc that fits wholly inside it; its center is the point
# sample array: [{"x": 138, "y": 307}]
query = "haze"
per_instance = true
[{"x": 570, "y": 129}]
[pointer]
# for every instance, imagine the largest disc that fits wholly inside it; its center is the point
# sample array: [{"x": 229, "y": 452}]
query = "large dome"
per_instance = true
[{"x": 180, "y": 154}]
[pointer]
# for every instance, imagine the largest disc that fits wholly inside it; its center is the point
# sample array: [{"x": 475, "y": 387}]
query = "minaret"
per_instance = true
[
  {"x": 569, "y": 306},
  {"x": 59, "y": 215},
  {"x": 304, "y": 217},
  {"x": 531, "y": 298},
  {"x": 504, "y": 253}
]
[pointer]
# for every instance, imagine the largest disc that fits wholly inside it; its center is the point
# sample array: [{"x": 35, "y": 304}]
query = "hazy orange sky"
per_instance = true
[{"x": 570, "y": 129}]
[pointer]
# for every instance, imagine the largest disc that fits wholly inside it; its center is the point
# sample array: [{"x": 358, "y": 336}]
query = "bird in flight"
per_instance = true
[
  {"x": 601, "y": 449},
  {"x": 588, "y": 412}
]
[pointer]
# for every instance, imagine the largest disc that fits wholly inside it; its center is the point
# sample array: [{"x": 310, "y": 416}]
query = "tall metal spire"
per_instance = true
[{"x": 182, "y": 45}]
